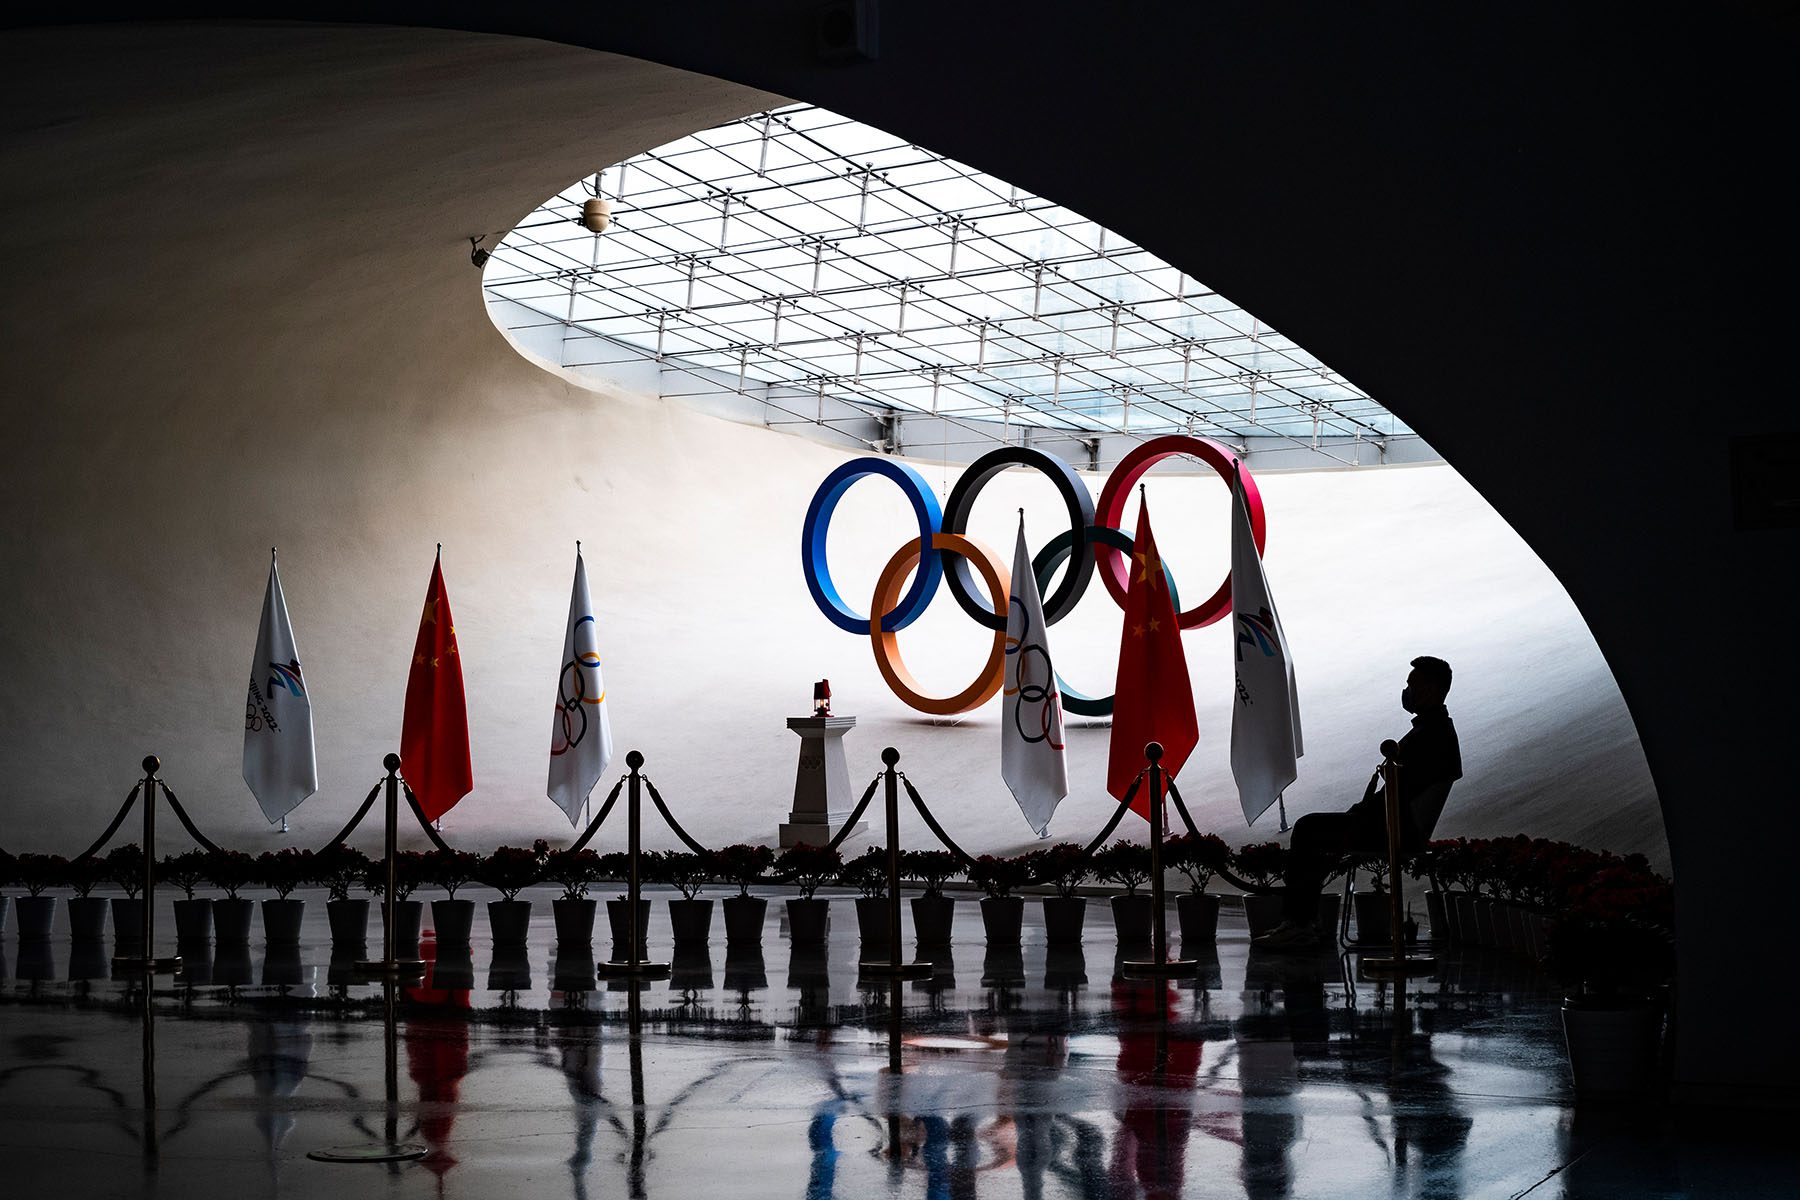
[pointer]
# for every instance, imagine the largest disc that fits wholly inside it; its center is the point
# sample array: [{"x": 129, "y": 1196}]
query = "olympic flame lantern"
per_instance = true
[{"x": 947, "y": 557}]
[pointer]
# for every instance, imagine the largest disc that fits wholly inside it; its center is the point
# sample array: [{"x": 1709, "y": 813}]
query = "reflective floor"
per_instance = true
[{"x": 1026, "y": 1074}]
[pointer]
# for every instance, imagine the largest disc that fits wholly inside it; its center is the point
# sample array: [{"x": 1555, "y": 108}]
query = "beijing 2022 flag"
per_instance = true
[
  {"x": 1265, "y": 720},
  {"x": 1032, "y": 759},
  {"x": 280, "y": 765},
  {"x": 580, "y": 734}
]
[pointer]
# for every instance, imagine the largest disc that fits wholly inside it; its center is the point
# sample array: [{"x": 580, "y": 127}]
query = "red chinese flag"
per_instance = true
[
  {"x": 434, "y": 733},
  {"x": 1153, "y": 700}
]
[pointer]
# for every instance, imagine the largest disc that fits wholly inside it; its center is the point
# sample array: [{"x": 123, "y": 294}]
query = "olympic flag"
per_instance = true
[
  {"x": 580, "y": 735},
  {"x": 1153, "y": 701},
  {"x": 1032, "y": 759},
  {"x": 434, "y": 731},
  {"x": 1265, "y": 721},
  {"x": 280, "y": 765}
]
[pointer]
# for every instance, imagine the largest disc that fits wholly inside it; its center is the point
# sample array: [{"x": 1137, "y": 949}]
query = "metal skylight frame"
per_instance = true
[{"x": 797, "y": 248}]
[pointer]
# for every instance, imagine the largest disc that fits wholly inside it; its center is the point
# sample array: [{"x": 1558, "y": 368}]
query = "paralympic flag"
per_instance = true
[
  {"x": 280, "y": 765},
  {"x": 580, "y": 735},
  {"x": 434, "y": 732},
  {"x": 1153, "y": 700},
  {"x": 1265, "y": 721},
  {"x": 1032, "y": 759}
]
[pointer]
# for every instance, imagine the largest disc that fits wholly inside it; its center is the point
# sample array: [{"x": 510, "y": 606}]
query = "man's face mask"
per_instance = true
[{"x": 1406, "y": 699}]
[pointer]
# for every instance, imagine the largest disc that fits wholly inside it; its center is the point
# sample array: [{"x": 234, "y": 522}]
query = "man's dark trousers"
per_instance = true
[{"x": 1320, "y": 841}]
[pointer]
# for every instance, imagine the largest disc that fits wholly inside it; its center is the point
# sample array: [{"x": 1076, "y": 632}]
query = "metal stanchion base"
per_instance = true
[
  {"x": 375, "y": 1152},
  {"x": 1151, "y": 969},
  {"x": 640, "y": 970},
  {"x": 887, "y": 970},
  {"x": 400, "y": 968},
  {"x": 1387, "y": 966},
  {"x": 153, "y": 966}
]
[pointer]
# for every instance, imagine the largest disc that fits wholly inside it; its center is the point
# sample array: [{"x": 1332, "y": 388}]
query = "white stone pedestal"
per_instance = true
[{"x": 822, "y": 798}]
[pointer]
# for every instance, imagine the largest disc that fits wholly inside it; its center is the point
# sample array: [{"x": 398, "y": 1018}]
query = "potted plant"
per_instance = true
[
  {"x": 1261, "y": 864},
  {"x": 1371, "y": 907},
  {"x": 1128, "y": 865},
  {"x": 1427, "y": 863},
  {"x": 574, "y": 870},
  {"x": 808, "y": 868},
  {"x": 616, "y": 866},
  {"x": 37, "y": 873},
  {"x": 125, "y": 867},
  {"x": 1002, "y": 913},
  {"x": 87, "y": 912},
  {"x": 410, "y": 870},
  {"x": 340, "y": 868},
  {"x": 1064, "y": 866},
  {"x": 193, "y": 917},
  {"x": 509, "y": 870},
  {"x": 452, "y": 919},
  {"x": 282, "y": 871},
  {"x": 690, "y": 918},
  {"x": 934, "y": 914},
  {"x": 1611, "y": 947},
  {"x": 867, "y": 873},
  {"x": 230, "y": 871},
  {"x": 1199, "y": 857},
  {"x": 744, "y": 864}
]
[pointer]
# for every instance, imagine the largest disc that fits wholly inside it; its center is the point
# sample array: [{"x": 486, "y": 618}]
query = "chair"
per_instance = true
[{"x": 1426, "y": 809}]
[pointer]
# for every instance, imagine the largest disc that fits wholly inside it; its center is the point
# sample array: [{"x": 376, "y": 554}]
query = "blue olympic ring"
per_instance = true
[{"x": 818, "y": 520}]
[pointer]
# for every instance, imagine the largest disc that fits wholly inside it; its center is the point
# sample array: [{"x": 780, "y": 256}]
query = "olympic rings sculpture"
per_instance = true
[{"x": 947, "y": 556}]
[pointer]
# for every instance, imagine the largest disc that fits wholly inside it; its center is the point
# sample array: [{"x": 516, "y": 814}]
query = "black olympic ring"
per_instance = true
[
  {"x": 1076, "y": 500},
  {"x": 567, "y": 704}
]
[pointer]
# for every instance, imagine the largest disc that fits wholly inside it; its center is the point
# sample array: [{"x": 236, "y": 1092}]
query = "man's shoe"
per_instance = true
[{"x": 1288, "y": 936}]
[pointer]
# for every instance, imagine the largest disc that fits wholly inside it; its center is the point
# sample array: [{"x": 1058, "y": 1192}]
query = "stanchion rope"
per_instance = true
[
  {"x": 113, "y": 828},
  {"x": 594, "y": 825},
  {"x": 350, "y": 826},
  {"x": 857, "y": 812},
  {"x": 967, "y": 860},
  {"x": 181, "y": 815},
  {"x": 669, "y": 818},
  {"x": 424, "y": 821},
  {"x": 1222, "y": 872}
]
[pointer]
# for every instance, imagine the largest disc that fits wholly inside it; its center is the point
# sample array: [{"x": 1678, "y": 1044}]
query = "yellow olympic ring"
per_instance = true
[{"x": 887, "y": 644}]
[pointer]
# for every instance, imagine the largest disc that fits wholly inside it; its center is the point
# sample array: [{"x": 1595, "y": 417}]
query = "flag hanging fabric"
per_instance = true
[
  {"x": 280, "y": 764},
  {"x": 434, "y": 732},
  {"x": 580, "y": 734},
  {"x": 1032, "y": 760},
  {"x": 1265, "y": 720},
  {"x": 1153, "y": 700}
]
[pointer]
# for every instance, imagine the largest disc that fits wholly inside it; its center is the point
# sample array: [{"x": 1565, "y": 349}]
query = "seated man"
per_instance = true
[{"x": 1428, "y": 756}]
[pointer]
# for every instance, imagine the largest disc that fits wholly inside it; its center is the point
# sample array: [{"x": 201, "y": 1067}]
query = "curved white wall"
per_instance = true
[{"x": 267, "y": 332}]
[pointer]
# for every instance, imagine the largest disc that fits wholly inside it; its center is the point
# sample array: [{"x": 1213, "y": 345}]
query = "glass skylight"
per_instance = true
[{"x": 801, "y": 249}]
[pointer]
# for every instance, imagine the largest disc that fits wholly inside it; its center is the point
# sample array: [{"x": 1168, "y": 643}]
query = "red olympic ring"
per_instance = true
[{"x": 1111, "y": 511}]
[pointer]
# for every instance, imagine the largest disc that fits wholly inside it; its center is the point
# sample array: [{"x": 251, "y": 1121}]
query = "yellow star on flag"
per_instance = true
[
  {"x": 430, "y": 613},
  {"x": 1148, "y": 569}
]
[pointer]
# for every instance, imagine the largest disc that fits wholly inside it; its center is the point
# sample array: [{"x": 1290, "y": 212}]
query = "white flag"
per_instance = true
[
  {"x": 1032, "y": 760},
  {"x": 1265, "y": 721},
  {"x": 580, "y": 734},
  {"x": 279, "y": 763}
]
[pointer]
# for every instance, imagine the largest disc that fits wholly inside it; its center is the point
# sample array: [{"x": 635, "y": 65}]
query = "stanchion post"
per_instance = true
[
  {"x": 894, "y": 966},
  {"x": 634, "y": 963},
  {"x": 146, "y": 959},
  {"x": 893, "y": 857},
  {"x": 634, "y": 817},
  {"x": 151, "y": 764},
  {"x": 1397, "y": 964},
  {"x": 391, "y": 843},
  {"x": 1159, "y": 924},
  {"x": 1160, "y": 963}
]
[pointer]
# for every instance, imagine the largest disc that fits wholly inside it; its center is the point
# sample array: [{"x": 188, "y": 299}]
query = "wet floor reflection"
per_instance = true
[{"x": 1027, "y": 1071}]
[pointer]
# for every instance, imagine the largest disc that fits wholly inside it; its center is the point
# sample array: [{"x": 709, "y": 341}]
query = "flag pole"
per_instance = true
[{"x": 1159, "y": 964}]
